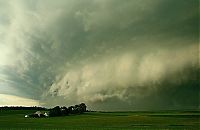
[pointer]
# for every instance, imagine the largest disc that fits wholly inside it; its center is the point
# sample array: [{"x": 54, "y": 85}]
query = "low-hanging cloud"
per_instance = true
[
  {"x": 100, "y": 52},
  {"x": 114, "y": 76}
]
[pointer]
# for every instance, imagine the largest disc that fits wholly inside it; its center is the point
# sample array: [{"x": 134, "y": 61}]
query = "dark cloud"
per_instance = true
[{"x": 108, "y": 53}]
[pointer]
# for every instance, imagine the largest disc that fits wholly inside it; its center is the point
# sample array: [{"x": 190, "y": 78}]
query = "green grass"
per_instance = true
[{"x": 14, "y": 120}]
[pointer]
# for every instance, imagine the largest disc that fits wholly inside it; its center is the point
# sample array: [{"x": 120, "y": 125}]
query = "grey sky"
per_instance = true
[{"x": 110, "y": 54}]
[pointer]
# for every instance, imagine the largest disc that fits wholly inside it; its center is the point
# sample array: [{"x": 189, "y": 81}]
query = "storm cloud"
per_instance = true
[{"x": 110, "y": 54}]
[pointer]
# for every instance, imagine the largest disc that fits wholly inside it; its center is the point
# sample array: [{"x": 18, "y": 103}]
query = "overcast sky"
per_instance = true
[{"x": 110, "y": 54}]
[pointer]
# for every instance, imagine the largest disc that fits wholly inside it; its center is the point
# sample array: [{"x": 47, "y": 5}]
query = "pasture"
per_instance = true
[{"x": 160, "y": 120}]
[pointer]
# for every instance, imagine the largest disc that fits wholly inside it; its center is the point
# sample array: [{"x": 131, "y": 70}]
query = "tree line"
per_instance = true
[
  {"x": 64, "y": 111},
  {"x": 22, "y": 108},
  {"x": 52, "y": 112}
]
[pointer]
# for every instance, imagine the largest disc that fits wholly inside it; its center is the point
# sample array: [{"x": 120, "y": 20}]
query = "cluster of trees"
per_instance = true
[
  {"x": 64, "y": 111},
  {"x": 22, "y": 108},
  {"x": 56, "y": 111}
]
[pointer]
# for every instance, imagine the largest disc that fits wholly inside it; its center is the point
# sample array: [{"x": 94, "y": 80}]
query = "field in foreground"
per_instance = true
[{"x": 164, "y": 120}]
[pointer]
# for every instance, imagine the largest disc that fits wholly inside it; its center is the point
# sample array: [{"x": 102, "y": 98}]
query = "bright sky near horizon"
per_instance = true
[
  {"x": 110, "y": 54},
  {"x": 10, "y": 100}
]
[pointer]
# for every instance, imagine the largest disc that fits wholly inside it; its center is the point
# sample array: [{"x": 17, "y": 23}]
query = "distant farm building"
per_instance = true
[{"x": 37, "y": 114}]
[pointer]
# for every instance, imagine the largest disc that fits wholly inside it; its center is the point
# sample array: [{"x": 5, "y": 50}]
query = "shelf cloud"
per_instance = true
[{"x": 110, "y": 54}]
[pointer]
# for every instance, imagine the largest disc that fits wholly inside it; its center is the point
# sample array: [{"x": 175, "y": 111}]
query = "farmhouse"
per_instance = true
[{"x": 37, "y": 114}]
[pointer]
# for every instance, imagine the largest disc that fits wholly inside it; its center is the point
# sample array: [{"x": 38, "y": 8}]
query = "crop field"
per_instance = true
[{"x": 163, "y": 120}]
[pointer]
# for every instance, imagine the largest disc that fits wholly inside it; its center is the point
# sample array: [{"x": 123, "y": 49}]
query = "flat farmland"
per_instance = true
[{"x": 154, "y": 120}]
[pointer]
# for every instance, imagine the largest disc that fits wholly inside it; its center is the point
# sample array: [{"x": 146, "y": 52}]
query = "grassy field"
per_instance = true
[{"x": 182, "y": 120}]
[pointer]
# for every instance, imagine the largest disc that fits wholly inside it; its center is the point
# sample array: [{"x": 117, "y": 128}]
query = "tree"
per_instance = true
[
  {"x": 83, "y": 107},
  {"x": 64, "y": 110},
  {"x": 56, "y": 111},
  {"x": 71, "y": 109}
]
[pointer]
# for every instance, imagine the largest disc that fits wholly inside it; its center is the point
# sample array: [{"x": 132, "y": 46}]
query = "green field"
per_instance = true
[{"x": 182, "y": 120}]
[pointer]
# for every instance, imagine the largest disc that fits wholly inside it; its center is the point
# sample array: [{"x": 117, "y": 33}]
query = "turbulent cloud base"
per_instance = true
[{"x": 110, "y": 54}]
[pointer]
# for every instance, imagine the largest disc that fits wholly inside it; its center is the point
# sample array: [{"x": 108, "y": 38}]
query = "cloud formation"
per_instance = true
[{"x": 102, "y": 52}]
